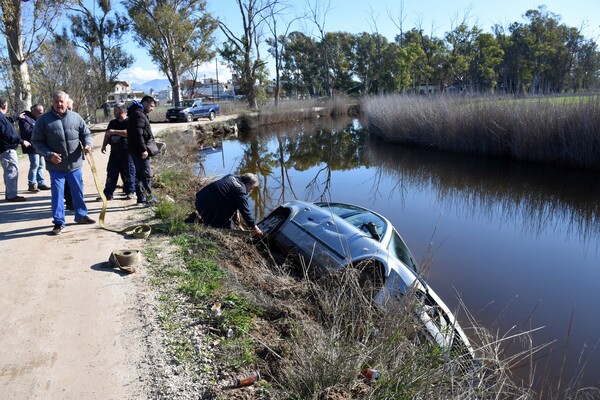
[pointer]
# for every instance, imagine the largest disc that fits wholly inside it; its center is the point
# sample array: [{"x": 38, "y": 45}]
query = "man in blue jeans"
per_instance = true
[
  {"x": 9, "y": 141},
  {"x": 119, "y": 160},
  {"x": 35, "y": 178},
  {"x": 62, "y": 137},
  {"x": 139, "y": 133}
]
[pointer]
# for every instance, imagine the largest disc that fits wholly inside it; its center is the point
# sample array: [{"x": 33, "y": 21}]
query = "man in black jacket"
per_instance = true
[
  {"x": 139, "y": 133},
  {"x": 119, "y": 161},
  {"x": 9, "y": 141},
  {"x": 219, "y": 202},
  {"x": 37, "y": 164}
]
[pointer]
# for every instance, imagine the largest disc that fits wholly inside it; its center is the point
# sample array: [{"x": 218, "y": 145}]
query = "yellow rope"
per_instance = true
[{"x": 137, "y": 231}]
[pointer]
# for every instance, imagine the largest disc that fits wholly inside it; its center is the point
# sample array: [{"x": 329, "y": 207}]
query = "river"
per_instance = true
[{"x": 518, "y": 243}]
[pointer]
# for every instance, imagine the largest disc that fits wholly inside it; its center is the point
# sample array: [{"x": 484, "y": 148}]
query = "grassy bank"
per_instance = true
[
  {"x": 564, "y": 131},
  {"x": 308, "y": 338}
]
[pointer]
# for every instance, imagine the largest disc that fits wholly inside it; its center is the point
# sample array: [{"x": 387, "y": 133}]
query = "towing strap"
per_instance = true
[{"x": 141, "y": 231}]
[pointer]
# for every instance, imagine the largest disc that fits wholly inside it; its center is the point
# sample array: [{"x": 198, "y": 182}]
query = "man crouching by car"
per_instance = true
[{"x": 219, "y": 202}]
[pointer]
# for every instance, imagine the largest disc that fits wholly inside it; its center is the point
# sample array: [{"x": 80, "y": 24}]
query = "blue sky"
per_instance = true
[{"x": 434, "y": 16}]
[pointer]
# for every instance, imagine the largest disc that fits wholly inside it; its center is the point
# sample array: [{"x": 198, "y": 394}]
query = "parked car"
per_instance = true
[
  {"x": 331, "y": 236},
  {"x": 191, "y": 110}
]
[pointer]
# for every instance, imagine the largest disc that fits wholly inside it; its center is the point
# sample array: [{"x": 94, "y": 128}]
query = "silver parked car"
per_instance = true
[{"x": 335, "y": 235}]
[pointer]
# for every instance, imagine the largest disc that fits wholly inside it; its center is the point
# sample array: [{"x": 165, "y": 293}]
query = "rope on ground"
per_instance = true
[{"x": 137, "y": 231}]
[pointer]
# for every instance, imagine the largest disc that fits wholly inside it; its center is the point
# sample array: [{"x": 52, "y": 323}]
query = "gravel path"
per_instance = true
[{"x": 71, "y": 327}]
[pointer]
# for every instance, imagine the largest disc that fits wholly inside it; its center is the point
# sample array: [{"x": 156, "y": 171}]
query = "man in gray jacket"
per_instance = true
[{"x": 62, "y": 137}]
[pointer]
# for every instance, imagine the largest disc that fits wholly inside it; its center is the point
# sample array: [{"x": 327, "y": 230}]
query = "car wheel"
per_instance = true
[
  {"x": 189, "y": 118},
  {"x": 211, "y": 115},
  {"x": 371, "y": 277},
  {"x": 273, "y": 222}
]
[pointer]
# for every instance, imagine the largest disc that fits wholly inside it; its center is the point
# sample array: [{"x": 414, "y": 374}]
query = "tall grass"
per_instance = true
[{"x": 540, "y": 130}]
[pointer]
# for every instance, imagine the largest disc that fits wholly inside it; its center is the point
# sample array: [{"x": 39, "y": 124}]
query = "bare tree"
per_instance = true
[
  {"x": 25, "y": 25},
  {"x": 278, "y": 42},
  {"x": 246, "y": 44},
  {"x": 317, "y": 11}
]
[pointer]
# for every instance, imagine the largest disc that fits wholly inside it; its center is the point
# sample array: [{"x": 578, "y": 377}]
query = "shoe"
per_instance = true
[
  {"x": 85, "y": 220},
  {"x": 33, "y": 188},
  {"x": 129, "y": 196},
  {"x": 16, "y": 199},
  {"x": 57, "y": 230},
  {"x": 43, "y": 186},
  {"x": 100, "y": 198}
]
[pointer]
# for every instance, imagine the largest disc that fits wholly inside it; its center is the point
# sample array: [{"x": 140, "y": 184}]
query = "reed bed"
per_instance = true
[{"x": 564, "y": 131}]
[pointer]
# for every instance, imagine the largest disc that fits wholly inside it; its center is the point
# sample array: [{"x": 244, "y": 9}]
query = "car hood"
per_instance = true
[{"x": 342, "y": 238}]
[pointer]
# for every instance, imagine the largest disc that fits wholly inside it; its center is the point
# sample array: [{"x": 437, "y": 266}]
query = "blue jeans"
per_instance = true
[
  {"x": 143, "y": 178},
  {"x": 10, "y": 164},
  {"x": 36, "y": 169},
  {"x": 119, "y": 161},
  {"x": 75, "y": 180}
]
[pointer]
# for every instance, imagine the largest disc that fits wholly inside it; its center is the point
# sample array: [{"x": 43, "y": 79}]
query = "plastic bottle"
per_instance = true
[
  {"x": 371, "y": 374},
  {"x": 247, "y": 379}
]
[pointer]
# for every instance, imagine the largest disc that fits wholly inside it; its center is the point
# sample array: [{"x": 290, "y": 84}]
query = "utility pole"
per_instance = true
[{"x": 217, "y": 72}]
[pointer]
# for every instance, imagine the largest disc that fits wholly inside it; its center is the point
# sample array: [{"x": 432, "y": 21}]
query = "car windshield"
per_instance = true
[
  {"x": 359, "y": 217},
  {"x": 186, "y": 103}
]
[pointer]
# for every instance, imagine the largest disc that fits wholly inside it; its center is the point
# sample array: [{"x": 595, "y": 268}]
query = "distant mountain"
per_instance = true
[{"x": 156, "y": 84}]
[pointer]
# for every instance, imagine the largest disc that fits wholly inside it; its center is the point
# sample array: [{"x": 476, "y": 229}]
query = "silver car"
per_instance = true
[{"x": 336, "y": 235}]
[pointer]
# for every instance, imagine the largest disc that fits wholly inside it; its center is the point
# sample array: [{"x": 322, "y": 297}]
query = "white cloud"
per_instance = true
[{"x": 141, "y": 75}]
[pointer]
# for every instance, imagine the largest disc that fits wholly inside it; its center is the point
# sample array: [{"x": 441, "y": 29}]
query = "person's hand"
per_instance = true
[
  {"x": 256, "y": 231},
  {"x": 55, "y": 158},
  {"x": 87, "y": 149},
  {"x": 236, "y": 218},
  {"x": 109, "y": 132},
  {"x": 22, "y": 115},
  {"x": 144, "y": 155},
  {"x": 103, "y": 149},
  {"x": 26, "y": 143}
]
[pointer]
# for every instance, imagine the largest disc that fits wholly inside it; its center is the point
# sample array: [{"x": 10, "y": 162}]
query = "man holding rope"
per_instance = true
[{"x": 62, "y": 137}]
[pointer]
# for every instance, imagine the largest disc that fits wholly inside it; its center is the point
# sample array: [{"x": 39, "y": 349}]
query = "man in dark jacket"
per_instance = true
[
  {"x": 62, "y": 137},
  {"x": 119, "y": 161},
  {"x": 219, "y": 202},
  {"x": 9, "y": 140},
  {"x": 139, "y": 133},
  {"x": 35, "y": 178}
]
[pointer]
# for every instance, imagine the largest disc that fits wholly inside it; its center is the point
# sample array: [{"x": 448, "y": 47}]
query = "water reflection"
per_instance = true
[
  {"x": 540, "y": 197},
  {"x": 518, "y": 242}
]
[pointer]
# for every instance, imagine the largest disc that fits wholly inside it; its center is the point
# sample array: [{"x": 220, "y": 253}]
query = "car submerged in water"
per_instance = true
[{"x": 332, "y": 236}]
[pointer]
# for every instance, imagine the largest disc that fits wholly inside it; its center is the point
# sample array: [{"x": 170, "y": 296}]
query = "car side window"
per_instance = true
[{"x": 398, "y": 249}]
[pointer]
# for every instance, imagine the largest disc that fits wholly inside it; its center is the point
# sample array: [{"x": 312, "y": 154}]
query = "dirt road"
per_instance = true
[{"x": 71, "y": 328}]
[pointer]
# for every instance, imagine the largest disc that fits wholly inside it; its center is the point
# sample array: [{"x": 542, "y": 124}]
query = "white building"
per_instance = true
[{"x": 123, "y": 93}]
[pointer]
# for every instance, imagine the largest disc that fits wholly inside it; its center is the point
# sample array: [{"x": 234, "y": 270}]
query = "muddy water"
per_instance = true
[{"x": 518, "y": 243}]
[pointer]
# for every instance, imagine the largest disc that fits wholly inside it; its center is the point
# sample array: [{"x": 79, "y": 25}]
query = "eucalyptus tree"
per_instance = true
[
  {"x": 25, "y": 26},
  {"x": 302, "y": 65},
  {"x": 340, "y": 45},
  {"x": 428, "y": 53},
  {"x": 488, "y": 56},
  {"x": 176, "y": 33},
  {"x": 244, "y": 46},
  {"x": 369, "y": 61},
  {"x": 100, "y": 33}
]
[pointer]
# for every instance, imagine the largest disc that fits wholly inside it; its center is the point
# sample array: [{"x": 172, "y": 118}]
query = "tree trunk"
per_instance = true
[
  {"x": 175, "y": 86},
  {"x": 13, "y": 26}
]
